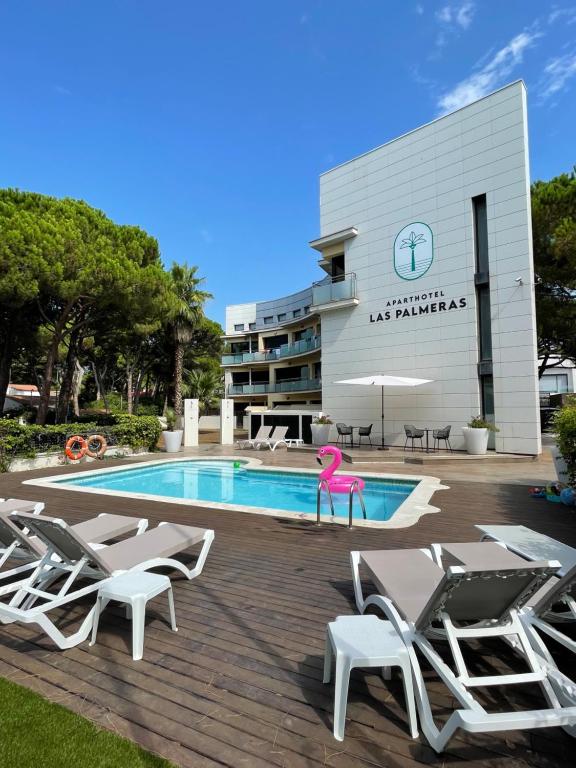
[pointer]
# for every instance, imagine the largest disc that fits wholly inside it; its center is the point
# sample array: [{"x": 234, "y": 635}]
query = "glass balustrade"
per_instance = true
[
  {"x": 291, "y": 385},
  {"x": 334, "y": 289},
  {"x": 269, "y": 356}
]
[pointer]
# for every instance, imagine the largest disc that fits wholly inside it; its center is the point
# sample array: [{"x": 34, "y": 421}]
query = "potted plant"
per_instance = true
[
  {"x": 476, "y": 435},
  {"x": 172, "y": 436},
  {"x": 320, "y": 428},
  {"x": 564, "y": 452}
]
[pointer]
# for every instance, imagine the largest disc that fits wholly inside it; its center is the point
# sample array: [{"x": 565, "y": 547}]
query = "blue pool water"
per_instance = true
[{"x": 221, "y": 481}]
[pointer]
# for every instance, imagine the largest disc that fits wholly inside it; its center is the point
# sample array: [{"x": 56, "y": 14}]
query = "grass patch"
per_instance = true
[{"x": 35, "y": 732}]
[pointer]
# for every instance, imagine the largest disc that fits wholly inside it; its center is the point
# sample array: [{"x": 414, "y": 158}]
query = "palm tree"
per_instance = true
[
  {"x": 183, "y": 316},
  {"x": 206, "y": 386}
]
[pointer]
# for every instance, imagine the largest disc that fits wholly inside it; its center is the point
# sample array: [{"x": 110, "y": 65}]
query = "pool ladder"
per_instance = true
[{"x": 323, "y": 483}]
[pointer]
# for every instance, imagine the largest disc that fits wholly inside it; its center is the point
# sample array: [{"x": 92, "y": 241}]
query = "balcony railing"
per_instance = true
[
  {"x": 292, "y": 385},
  {"x": 286, "y": 350},
  {"x": 335, "y": 289}
]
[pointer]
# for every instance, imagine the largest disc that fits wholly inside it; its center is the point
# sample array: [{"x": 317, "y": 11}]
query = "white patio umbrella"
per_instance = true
[{"x": 385, "y": 380}]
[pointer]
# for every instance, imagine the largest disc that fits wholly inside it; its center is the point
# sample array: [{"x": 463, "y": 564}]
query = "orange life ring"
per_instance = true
[
  {"x": 101, "y": 450},
  {"x": 76, "y": 455}
]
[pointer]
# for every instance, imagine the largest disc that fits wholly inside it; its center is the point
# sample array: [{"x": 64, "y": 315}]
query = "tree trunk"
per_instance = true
[
  {"x": 68, "y": 380},
  {"x": 178, "y": 368},
  {"x": 101, "y": 395},
  {"x": 129, "y": 388},
  {"x": 51, "y": 360},
  {"x": 44, "y": 401},
  {"x": 77, "y": 386},
  {"x": 6, "y": 361},
  {"x": 542, "y": 364},
  {"x": 137, "y": 389}
]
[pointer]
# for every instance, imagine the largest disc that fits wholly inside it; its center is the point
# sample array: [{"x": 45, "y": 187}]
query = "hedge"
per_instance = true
[
  {"x": 565, "y": 428},
  {"x": 25, "y": 440}
]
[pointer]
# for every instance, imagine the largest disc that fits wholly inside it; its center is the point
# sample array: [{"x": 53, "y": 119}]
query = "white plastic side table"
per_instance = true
[
  {"x": 294, "y": 442},
  {"x": 134, "y": 589},
  {"x": 365, "y": 641}
]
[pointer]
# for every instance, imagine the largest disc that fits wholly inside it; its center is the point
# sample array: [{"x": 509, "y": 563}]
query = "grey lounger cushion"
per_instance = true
[
  {"x": 477, "y": 555},
  {"x": 407, "y": 576},
  {"x": 161, "y": 542},
  {"x": 18, "y": 505}
]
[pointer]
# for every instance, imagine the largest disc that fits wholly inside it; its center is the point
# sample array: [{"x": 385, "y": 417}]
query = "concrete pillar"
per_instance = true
[
  {"x": 226, "y": 422},
  {"x": 191, "y": 420}
]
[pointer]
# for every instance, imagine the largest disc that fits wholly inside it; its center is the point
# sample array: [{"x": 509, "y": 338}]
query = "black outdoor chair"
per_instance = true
[
  {"x": 364, "y": 432},
  {"x": 413, "y": 434},
  {"x": 442, "y": 434},
  {"x": 344, "y": 431}
]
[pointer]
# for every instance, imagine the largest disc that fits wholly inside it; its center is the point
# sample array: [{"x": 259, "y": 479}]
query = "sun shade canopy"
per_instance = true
[{"x": 386, "y": 380}]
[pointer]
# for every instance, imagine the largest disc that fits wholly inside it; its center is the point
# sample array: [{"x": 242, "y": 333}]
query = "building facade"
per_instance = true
[
  {"x": 426, "y": 242},
  {"x": 272, "y": 353}
]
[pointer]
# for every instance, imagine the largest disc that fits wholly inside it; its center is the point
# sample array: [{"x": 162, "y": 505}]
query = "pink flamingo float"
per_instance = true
[{"x": 333, "y": 483}]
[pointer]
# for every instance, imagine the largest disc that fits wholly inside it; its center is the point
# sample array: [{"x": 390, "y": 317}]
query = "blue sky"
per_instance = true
[{"x": 208, "y": 123}]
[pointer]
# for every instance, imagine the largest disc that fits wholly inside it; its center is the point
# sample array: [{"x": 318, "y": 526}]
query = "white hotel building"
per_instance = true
[{"x": 426, "y": 242}]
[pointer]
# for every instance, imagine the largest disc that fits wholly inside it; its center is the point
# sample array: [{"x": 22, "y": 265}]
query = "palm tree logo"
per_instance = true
[{"x": 411, "y": 242}]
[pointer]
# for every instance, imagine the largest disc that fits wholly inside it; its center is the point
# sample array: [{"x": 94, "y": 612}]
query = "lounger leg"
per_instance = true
[
  {"x": 97, "y": 609},
  {"x": 409, "y": 696},
  {"x": 172, "y": 612},
  {"x": 327, "y": 659},
  {"x": 138, "y": 617},
  {"x": 341, "y": 695}
]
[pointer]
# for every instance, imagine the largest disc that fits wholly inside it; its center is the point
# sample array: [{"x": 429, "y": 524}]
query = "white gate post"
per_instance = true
[
  {"x": 226, "y": 422},
  {"x": 191, "y": 419}
]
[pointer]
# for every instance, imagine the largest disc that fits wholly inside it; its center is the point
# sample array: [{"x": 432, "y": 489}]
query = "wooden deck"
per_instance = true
[{"x": 240, "y": 684}]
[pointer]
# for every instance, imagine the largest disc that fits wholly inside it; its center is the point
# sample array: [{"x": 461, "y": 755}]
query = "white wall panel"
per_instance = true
[{"x": 431, "y": 175}]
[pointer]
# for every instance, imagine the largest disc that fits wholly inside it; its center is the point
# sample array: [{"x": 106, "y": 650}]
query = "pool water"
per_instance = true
[{"x": 226, "y": 482}]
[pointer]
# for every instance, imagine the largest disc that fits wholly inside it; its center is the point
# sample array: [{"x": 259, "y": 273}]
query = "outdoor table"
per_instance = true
[
  {"x": 134, "y": 589},
  {"x": 427, "y": 430}
]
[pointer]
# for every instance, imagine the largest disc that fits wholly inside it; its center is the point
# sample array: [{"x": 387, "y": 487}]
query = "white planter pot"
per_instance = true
[
  {"x": 559, "y": 465},
  {"x": 476, "y": 440},
  {"x": 172, "y": 440},
  {"x": 320, "y": 433}
]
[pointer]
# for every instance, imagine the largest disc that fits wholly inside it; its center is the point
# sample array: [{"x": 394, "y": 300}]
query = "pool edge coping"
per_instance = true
[{"x": 408, "y": 513}]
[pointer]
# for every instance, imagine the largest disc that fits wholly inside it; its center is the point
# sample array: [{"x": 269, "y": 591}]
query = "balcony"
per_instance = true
[
  {"x": 335, "y": 293},
  {"x": 292, "y": 385},
  {"x": 286, "y": 350}
]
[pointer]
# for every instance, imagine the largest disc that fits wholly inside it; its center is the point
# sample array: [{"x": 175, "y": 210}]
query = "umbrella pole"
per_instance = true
[{"x": 382, "y": 447}]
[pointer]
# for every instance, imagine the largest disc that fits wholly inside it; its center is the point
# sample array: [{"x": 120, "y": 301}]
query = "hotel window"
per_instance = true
[
  {"x": 268, "y": 320},
  {"x": 239, "y": 327},
  {"x": 483, "y": 311},
  {"x": 296, "y": 313},
  {"x": 281, "y": 317},
  {"x": 307, "y": 310},
  {"x": 338, "y": 268},
  {"x": 554, "y": 382},
  {"x": 251, "y": 326}
]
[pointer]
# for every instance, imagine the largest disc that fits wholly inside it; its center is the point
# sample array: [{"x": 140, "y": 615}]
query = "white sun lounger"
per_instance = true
[
  {"x": 70, "y": 558},
  {"x": 16, "y": 544},
  {"x": 278, "y": 437},
  {"x": 262, "y": 434},
  {"x": 425, "y": 603},
  {"x": 530, "y": 544},
  {"x": 553, "y": 605}
]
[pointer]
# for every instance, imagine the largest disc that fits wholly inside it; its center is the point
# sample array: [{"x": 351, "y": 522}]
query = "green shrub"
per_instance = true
[
  {"x": 148, "y": 409},
  {"x": 565, "y": 428},
  {"x": 477, "y": 422},
  {"x": 26, "y": 440},
  {"x": 137, "y": 431}
]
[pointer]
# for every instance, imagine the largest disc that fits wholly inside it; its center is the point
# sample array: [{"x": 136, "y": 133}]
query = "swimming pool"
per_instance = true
[{"x": 245, "y": 485}]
